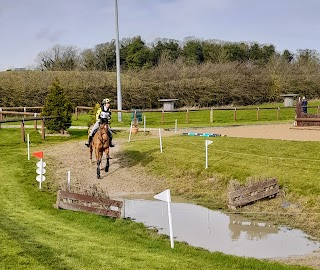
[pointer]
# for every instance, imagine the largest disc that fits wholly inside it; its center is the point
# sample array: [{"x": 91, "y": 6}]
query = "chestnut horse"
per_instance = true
[{"x": 100, "y": 143}]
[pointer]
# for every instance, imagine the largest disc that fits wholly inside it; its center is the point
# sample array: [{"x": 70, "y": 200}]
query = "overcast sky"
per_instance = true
[{"x": 28, "y": 27}]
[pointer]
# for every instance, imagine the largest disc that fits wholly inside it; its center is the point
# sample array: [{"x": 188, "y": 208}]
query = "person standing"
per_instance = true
[{"x": 304, "y": 104}]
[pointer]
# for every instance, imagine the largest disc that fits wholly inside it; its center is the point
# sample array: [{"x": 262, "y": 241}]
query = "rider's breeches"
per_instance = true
[{"x": 94, "y": 128}]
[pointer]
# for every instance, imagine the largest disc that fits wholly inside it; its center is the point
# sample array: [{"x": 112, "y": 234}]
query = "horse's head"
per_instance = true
[{"x": 104, "y": 131}]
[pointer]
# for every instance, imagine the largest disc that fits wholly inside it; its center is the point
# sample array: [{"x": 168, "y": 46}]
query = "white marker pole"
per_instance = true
[
  {"x": 166, "y": 197},
  {"x": 28, "y": 145},
  {"x": 176, "y": 126},
  {"x": 207, "y": 143},
  {"x": 69, "y": 180},
  {"x": 160, "y": 140},
  {"x": 144, "y": 123},
  {"x": 130, "y": 132},
  {"x": 170, "y": 225}
]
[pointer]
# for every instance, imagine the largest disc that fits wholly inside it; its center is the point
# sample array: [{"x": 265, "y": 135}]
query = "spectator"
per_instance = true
[{"x": 304, "y": 104}]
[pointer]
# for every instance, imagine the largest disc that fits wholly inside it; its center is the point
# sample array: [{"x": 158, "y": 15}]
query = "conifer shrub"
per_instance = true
[{"x": 57, "y": 104}]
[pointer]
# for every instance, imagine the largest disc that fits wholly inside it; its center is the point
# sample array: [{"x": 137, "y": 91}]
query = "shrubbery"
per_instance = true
[
  {"x": 57, "y": 104},
  {"x": 201, "y": 85}
]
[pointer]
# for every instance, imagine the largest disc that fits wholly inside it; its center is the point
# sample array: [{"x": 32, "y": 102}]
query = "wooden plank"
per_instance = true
[
  {"x": 90, "y": 199},
  {"x": 306, "y": 119},
  {"x": 240, "y": 201},
  {"x": 254, "y": 187},
  {"x": 94, "y": 210}
]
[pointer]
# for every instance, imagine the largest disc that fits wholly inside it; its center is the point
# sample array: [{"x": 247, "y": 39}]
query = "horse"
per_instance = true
[{"x": 100, "y": 143}]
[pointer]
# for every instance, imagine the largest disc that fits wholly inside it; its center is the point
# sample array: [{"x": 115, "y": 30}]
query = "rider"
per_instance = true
[{"x": 103, "y": 115}]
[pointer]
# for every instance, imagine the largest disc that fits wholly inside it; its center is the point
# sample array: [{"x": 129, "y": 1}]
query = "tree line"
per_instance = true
[
  {"x": 198, "y": 73},
  {"x": 136, "y": 54}
]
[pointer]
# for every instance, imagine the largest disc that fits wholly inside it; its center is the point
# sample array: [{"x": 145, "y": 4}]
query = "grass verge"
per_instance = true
[{"x": 34, "y": 235}]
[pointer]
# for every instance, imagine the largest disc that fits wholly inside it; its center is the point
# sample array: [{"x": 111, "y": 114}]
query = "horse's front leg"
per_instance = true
[
  {"x": 99, "y": 158},
  {"x": 91, "y": 153}
]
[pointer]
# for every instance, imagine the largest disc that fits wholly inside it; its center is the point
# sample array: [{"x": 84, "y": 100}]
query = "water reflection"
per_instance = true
[
  {"x": 253, "y": 230},
  {"x": 216, "y": 231}
]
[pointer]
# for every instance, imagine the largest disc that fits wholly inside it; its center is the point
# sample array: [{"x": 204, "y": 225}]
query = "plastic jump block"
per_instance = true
[{"x": 201, "y": 134}]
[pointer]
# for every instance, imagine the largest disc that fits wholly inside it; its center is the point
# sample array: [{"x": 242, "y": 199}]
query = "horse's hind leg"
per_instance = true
[
  {"x": 98, "y": 168},
  {"x": 107, "y": 164}
]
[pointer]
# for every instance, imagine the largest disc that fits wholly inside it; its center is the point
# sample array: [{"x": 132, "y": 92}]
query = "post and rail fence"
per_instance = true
[
  {"x": 22, "y": 126},
  {"x": 236, "y": 111}
]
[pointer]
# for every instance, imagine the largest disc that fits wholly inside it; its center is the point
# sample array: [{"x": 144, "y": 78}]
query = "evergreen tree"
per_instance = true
[{"x": 57, "y": 104}]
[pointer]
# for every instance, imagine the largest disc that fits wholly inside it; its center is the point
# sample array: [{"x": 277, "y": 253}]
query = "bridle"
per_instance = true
[{"x": 103, "y": 132}]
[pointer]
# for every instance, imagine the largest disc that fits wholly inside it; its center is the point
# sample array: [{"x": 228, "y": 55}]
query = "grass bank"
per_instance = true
[
  {"x": 294, "y": 164},
  {"x": 34, "y": 235}
]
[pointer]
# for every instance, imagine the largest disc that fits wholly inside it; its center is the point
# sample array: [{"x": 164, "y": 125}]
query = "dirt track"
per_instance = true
[{"x": 123, "y": 179}]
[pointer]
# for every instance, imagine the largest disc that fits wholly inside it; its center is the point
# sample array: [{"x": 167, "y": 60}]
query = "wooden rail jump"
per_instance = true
[
  {"x": 257, "y": 191},
  {"x": 86, "y": 203}
]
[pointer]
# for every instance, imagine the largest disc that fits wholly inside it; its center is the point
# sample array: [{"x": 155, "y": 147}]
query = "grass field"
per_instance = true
[{"x": 34, "y": 235}]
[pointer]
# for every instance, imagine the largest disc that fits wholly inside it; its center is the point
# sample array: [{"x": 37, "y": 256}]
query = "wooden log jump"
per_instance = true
[
  {"x": 90, "y": 204},
  {"x": 246, "y": 195}
]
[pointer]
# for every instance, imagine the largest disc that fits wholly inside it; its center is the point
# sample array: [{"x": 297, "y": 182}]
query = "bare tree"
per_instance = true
[{"x": 59, "y": 57}]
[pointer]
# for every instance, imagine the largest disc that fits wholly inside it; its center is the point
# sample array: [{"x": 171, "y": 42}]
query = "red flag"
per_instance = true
[{"x": 38, "y": 154}]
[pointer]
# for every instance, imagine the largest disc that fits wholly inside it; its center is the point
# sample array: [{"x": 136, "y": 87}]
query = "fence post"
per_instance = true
[
  {"x": 135, "y": 117},
  {"x": 211, "y": 115},
  {"x": 23, "y": 138},
  {"x": 162, "y": 117},
  {"x": 77, "y": 112},
  {"x": 43, "y": 134},
  {"x": 318, "y": 109},
  {"x": 187, "y": 116},
  {"x": 235, "y": 114},
  {"x": 278, "y": 112},
  {"x": 0, "y": 115},
  {"x": 24, "y": 110},
  {"x": 258, "y": 114},
  {"x": 35, "y": 121}
]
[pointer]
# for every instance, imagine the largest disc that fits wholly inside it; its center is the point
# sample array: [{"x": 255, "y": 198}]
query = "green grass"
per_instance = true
[
  {"x": 34, "y": 235},
  {"x": 182, "y": 163}
]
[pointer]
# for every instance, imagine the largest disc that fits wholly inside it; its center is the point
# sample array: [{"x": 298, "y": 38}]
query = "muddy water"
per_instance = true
[{"x": 216, "y": 231}]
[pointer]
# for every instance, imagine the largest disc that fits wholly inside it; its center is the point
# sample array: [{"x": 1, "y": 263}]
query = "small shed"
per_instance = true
[
  {"x": 288, "y": 99},
  {"x": 168, "y": 104}
]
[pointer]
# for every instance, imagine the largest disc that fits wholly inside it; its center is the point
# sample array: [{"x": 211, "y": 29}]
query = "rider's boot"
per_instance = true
[
  {"x": 89, "y": 141},
  {"x": 110, "y": 144}
]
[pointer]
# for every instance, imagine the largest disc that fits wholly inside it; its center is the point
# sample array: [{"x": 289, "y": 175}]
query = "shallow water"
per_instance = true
[{"x": 216, "y": 231}]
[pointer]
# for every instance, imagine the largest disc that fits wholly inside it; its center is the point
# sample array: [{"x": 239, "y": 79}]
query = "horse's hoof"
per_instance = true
[
  {"x": 98, "y": 177},
  {"x": 106, "y": 169}
]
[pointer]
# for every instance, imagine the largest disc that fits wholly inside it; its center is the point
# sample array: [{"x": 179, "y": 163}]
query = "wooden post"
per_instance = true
[
  {"x": 24, "y": 110},
  {"x": 187, "y": 116},
  {"x": 211, "y": 115},
  {"x": 35, "y": 121},
  {"x": 135, "y": 117},
  {"x": 43, "y": 134},
  {"x": 162, "y": 117},
  {"x": 258, "y": 114},
  {"x": 23, "y": 138},
  {"x": 235, "y": 114},
  {"x": 318, "y": 109},
  {"x": 77, "y": 112},
  {"x": 278, "y": 112}
]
